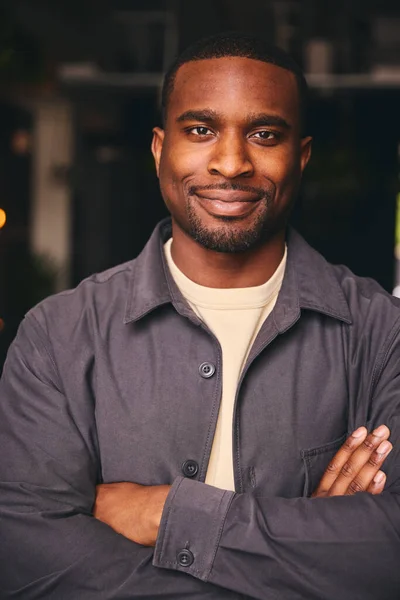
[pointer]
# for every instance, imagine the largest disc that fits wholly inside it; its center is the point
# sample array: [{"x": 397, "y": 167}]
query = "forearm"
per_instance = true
[
  {"x": 51, "y": 551},
  {"x": 347, "y": 547}
]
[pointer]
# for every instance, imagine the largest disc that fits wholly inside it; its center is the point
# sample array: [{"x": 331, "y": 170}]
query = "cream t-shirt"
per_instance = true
[{"x": 235, "y": 317}]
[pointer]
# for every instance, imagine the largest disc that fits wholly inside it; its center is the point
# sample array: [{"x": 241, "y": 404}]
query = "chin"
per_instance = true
[{"x": 229, "y": 238}]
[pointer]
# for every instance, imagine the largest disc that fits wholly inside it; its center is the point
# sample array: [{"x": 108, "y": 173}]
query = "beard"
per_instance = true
[{"x": 230, "y": 235}]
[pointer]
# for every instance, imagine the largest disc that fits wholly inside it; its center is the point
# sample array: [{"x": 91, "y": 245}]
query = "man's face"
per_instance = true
[{"x": 231, "y": 156}]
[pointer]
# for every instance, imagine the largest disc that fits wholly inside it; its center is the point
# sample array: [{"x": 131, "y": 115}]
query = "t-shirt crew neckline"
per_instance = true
[{"x": 226, "y": 298}]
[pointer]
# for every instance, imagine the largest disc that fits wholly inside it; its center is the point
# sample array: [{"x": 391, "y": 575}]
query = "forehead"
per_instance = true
[{"x": 234, "y": 86}]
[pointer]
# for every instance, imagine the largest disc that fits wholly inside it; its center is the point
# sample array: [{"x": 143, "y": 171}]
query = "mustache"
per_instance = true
[{"x": 236, "y": 187}]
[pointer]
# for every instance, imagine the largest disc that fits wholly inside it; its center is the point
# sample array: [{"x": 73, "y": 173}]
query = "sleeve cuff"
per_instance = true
[{"x": 191, "y": 527}]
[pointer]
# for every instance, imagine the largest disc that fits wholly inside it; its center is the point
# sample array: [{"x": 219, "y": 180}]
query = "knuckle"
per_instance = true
[
  {"x": 332, "y": 467},
  {"x": 375, "y": 459},
  {"x": 348, "y": 445},
  {"x": 355, "y": 487},
  {"x": 347, "y": 470},
  {"x": 368, "y": 444}
]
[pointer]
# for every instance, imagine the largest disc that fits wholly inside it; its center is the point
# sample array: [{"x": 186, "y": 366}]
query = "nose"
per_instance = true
[{"x": 230, "y": 159}]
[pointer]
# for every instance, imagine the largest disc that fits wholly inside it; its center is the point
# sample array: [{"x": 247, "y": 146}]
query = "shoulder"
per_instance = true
[
  {"x": 375, "y": 314},
  {"x": 99, "y": 297},
  {"x": 364, "y": 294},
  {"x": 336, "y": 291}
]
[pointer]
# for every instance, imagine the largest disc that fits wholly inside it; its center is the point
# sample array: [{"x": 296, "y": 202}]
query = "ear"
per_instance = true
[
  {"x": 156, "y": 146},
  {"x": 305, "y": 151}
]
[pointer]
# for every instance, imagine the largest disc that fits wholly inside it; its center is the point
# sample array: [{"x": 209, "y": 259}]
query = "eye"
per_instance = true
[
  {"x": 265, "y": 135},
  {"x": 200, "y": 131}
]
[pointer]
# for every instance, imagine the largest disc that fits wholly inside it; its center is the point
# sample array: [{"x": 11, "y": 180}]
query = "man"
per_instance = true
[{"x": 228, "y": 356}]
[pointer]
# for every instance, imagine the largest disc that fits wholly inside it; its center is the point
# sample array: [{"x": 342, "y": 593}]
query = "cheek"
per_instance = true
[
  {"x": 181, "y": 160},
  {"x": 174, "y": 170},
  {"x": 169, "y": 179},
  {"x": 283, "y": 168}
]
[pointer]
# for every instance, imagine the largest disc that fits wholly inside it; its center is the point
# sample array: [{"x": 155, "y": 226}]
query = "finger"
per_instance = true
[
  {"x": 350, "y": 480},
  {"x": 370, "y": 470},
  {"x": 377, "y": 485},
  {"x": 340, "y": 459}
]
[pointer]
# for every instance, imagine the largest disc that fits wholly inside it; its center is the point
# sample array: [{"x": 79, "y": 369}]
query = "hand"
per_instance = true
[
  {"x": 132, "y": 510},
  {"x": 356, "y": 466}
]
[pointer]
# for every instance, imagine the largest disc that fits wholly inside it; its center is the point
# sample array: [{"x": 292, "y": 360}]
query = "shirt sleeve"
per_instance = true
[
  {"x": 51, "y": 546},
  {"x": 344, "y": 547}
]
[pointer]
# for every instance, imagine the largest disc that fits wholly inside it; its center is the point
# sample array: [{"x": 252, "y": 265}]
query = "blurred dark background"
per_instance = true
[{"x": 79, "y": 91}]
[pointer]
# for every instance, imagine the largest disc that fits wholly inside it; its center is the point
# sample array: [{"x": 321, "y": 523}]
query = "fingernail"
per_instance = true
[
  {"x": 379, "y": 477},
  {"x": 380, "y": 431},
  {"x": 384, "y": 447},
  {"x": 358, "y": 432}
]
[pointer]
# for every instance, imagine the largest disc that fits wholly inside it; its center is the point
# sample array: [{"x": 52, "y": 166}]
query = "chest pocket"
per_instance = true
[{"x": 316, "y": 461}]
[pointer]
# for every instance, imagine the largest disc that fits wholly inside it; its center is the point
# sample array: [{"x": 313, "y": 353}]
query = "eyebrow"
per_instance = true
[
  {"x": 206, "y": 115},
  {"x": 253, "y": 120},
  {"x": 260, "y": 119}
]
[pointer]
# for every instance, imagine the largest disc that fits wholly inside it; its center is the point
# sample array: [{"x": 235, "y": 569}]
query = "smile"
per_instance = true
[
  {"x": 228, "y": 203},
  {"x": 227, "y": 208}
]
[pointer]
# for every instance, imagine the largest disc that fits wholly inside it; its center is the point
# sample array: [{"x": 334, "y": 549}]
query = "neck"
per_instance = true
[{"x": 226, "y": 270}]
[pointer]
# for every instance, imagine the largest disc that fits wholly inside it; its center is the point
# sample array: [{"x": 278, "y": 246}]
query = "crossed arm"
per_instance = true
[
  {"x": 135, "y": 511},
  {"x": 343, "y": 545}
]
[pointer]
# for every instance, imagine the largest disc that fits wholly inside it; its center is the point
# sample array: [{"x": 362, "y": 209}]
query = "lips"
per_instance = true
[
  {"x": 228, "y": 196},
  {"x": 228, "y": 203}
]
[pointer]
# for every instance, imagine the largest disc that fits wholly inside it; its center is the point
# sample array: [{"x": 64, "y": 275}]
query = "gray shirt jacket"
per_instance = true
[{"x": 118, "y": 380}]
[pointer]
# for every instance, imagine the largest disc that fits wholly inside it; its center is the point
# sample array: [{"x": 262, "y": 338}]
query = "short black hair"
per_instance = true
[{"x": 235, "y": 43}]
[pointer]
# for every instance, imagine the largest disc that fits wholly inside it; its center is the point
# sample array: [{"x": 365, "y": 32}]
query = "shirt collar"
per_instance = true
[{"x": 309, "y": 283}]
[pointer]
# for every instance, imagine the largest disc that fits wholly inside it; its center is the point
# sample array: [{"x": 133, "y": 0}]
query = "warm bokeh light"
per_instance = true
[
  {"x": 21, "y": 142},
  {"x": 3, "y": 218}
]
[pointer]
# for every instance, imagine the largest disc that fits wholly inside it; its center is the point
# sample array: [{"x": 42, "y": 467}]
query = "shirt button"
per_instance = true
[
  {"x": 185, "y": 558},
  {"x": 207, "y": 370},
  {"x": 190, "y": 468}
]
